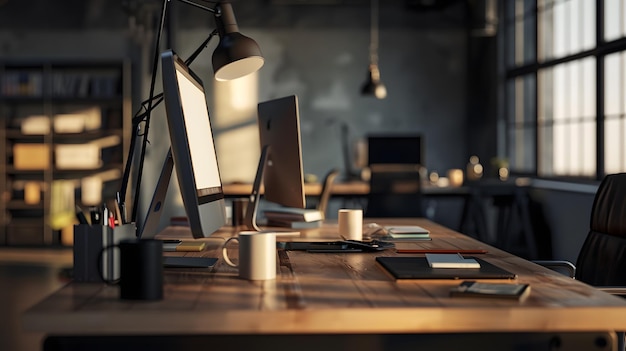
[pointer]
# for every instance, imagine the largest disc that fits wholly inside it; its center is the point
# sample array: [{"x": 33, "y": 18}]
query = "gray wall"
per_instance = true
[{"x": 424, "y": 70}]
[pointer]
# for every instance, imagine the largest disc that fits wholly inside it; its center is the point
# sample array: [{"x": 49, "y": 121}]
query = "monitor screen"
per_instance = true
[
  {"x": 192, "y": 147},
  {"x": 397, "y": 149},
  {"x": 279, "y": 129}
]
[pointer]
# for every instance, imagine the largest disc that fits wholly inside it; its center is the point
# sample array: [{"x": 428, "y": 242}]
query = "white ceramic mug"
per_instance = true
[
  {"x": 257, "y": 255},
  {"x": 351, "y": 224}
]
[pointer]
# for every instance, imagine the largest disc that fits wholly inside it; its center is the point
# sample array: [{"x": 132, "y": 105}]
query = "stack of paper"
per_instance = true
[
  {"x": 298, "y": 218},
  {"x": 451, "y": 261},
  {"x": 402, "y": 232}
]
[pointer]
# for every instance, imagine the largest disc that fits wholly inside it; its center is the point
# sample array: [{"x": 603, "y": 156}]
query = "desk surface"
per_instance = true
[
  {"x": 310, "y": 189},
  {"x": 329, "y": 293},
  {"x": 351, "y": 188}
]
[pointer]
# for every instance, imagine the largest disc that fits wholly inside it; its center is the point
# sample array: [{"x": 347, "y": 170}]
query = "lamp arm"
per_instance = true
[
  {"x": 145, "y": 117},
  {"x": 142, "y": 156},
  {"x": 159, "y": 97}
]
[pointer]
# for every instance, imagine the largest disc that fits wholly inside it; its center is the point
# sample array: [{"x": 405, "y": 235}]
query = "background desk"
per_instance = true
[
  {"x": 332, "y": 294},
  {"x": 356, "y": 188},
  {"x": 513, "y": 230}
]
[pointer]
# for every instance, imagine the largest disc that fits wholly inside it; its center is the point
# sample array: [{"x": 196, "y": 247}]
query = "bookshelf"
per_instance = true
[{"x": 65, "y": 126}]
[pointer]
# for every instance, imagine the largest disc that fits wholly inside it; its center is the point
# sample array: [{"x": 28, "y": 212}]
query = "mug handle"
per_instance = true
[
  {"x": 225, "y": 252},
  {"x": 100, "y": 263}
]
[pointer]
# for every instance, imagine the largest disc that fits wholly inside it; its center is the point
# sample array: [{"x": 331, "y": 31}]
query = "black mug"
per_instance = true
[{"x": 141, "y": 269}]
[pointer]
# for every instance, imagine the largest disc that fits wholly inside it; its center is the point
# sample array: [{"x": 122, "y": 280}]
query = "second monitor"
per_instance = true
[
  {"x": 395, "y": 149},
  {"x": 280, "y": 166}
]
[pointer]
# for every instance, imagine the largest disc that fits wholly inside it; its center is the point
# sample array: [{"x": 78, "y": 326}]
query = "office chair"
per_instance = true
[
  {"x": 326, "y": 191},
  {"x": 395, "y": 191},
  {"x": 601, "y": 261}
]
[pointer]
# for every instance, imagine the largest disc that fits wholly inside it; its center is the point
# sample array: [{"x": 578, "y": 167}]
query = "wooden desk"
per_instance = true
[
  {"x": 346, "y": 294},
  {"x": 354, "y": 188},
  {"x": 351, "y": 188}
]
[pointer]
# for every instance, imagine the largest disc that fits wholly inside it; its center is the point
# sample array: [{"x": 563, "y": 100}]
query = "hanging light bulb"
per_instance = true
[{"x": 373, "y": 85}]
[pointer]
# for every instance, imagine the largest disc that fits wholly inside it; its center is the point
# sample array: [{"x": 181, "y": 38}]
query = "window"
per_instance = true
[
  {"x": 566, "y": 119},
  {"x": 522, "y": 123},
  {"x": 565, "y": 105},
  {"x": 615, "y": 112}
]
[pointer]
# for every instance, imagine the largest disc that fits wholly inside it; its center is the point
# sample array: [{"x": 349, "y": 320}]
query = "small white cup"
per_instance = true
[
  {"x": 351, "y": 224},
  {"x": 257, "y": 255}
]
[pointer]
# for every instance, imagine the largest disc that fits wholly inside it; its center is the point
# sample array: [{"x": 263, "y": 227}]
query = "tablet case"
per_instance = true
[{"x": 418, "y": 268}]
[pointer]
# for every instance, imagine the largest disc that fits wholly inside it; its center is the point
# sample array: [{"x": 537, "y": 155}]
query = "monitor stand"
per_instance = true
[
  {"x": 255, "y": 197},
  {"x": 153, "y": 216}
]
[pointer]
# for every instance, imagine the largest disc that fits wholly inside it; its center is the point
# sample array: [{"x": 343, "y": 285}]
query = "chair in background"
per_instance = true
[
  {"x": 326, "y": 191},
  {"x": 395, "y": 191},
  {"x": 601, "y": 261}
]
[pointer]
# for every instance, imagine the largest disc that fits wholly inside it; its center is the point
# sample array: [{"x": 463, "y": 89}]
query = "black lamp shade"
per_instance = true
[
  {"x": 373, "y": 86},
  {"x": 236, "y": 56}
]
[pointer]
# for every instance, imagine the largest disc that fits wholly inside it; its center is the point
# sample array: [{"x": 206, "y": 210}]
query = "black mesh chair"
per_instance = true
[{"x": 395, "y": 191}]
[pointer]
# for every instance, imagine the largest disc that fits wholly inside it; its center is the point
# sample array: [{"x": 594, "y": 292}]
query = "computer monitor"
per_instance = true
[
  {"x": 280, "y": 165},
  {"x": 192, "y": 153},
  {"x": 395, "y": 149}
]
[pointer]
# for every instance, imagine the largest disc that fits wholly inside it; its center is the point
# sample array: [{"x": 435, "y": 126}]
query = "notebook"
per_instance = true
[
  {"x": 450, "y": 261},
  {"x": 418, "y": 268}
]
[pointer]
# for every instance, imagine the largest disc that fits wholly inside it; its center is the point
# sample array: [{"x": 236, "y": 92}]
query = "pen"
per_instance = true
[
  {"x": 96, "y": 216},
  {"x": 111, "y": 220},
  {"x": 122, "y": 207},
  {"x": 81, "y": 216},
  {"x": 105, "y": 215}
]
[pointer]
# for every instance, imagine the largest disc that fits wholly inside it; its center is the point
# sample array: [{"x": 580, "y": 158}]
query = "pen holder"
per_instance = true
[{"x": 91, "y": 263}]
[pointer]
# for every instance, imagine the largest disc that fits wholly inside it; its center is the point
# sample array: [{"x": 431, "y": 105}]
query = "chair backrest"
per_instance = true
[
  {"x": 395, "y": 191},
  {"x": 326, "y": 191},
  {"x": 602, "y": 259}
]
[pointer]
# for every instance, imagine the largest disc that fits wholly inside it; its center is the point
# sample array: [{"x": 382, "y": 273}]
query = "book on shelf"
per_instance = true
[
  {"x": 469, "y": 288},
  {"x": 450, "y": 261},
  {"x": 293, "y": 214},
  {"x": 294, "y": 224}
]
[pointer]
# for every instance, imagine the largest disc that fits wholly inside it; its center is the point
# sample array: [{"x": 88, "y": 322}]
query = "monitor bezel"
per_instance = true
[{"x": 205, "y": 211}]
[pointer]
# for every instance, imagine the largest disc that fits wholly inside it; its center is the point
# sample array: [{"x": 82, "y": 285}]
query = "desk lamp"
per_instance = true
[{"x": 235, "y": 56}]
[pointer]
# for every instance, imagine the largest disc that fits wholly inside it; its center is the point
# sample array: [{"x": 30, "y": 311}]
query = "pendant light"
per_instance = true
[{"x": 373, "y": 86}]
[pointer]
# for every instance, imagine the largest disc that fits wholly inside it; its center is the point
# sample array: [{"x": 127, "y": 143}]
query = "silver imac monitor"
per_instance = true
[
  {"x": 280, "y": 165},
  {"x": 279, "y": 129},
  {"x": 192, "y": 151}
]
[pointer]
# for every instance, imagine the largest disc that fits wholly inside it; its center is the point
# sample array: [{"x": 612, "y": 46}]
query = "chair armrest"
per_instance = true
[
  {"x": 554, "y": 265},
  {"x": 613, "y": 290},
  {"x": 571, "y": 269}
]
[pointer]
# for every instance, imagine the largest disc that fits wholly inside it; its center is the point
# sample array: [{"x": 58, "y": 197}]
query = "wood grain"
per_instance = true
[{"x": 329, "y": 293}]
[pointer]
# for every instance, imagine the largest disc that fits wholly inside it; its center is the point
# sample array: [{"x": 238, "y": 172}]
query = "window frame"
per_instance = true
[{"x": 511, "y": 72}]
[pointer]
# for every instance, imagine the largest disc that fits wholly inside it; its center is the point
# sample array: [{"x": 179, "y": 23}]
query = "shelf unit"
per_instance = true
[{"x": 62, "y": 123}]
